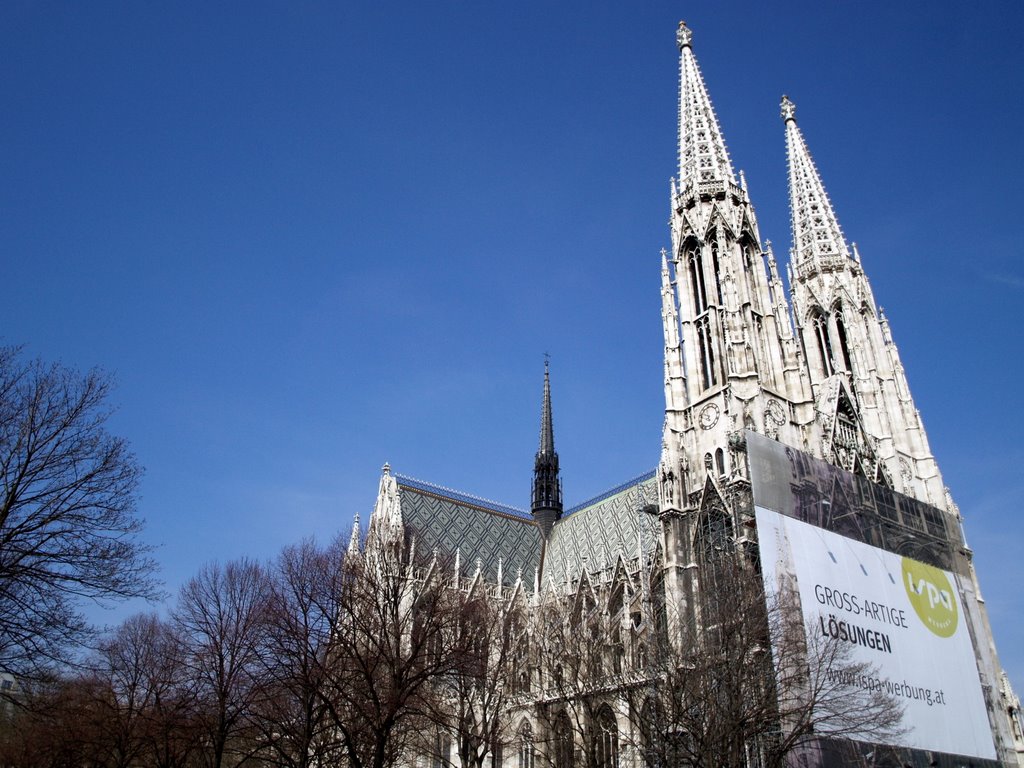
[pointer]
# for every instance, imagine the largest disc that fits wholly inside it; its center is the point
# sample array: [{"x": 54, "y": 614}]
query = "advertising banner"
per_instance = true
[{"x": 901, "y": 617}]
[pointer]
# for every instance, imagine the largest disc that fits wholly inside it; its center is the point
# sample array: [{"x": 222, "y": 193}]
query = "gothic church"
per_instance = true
[{"x": 815, "y": 370}]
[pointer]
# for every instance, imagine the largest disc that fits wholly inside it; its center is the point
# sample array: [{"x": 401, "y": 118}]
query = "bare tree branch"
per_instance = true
[{"x": 68, "y": 530}]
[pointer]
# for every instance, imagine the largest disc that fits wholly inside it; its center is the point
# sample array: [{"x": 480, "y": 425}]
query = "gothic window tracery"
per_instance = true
[
  {"x": 748, "y": 253},
  {"x": 715, "y": 267},
  {"x": 819, "y": 323},
  {"x": 527, "y": 753},
  {"x": 761, "y": 344},
  {"x": 714, "y": 537},
  {"x": 695, "y": 266},
  {"x": 844, "y": 343},
  {"x": 606, "y": 739},
  {"x": 706, "y": 352},
  {"x": 641, "y": 656},
  {"x": 442, "y": 751},
  {"x": 564, "y": 746},
  {"x": 618, "y": 652}
]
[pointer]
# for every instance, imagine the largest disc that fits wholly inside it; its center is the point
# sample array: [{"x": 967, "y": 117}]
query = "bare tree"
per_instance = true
[
  {"x": 221, "y": 616},
  {"x": 125, "y": 688},
  {"x": 59, "y": 726},
  {"x": 143, "y": 699},
  {"x": 480, "y": 685},
  {"x": 68, "y": 530},
  {"x": 575, "y": 682},
  {"x": 172, "y": 725},
  {"x": 389, "y": 657},
  {"x": 303, "y": 608}
]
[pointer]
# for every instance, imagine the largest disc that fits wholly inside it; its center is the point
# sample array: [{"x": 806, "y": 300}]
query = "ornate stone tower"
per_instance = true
[
  {"x": 854, "y": 367},
  {"x": 822, "y": 376},
  {"x": 732, "y": 361}
]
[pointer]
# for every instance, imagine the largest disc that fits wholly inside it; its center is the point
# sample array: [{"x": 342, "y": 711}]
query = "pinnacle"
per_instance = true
[
  {"x": 684, "y": 36},
  {"x": 788, "y": 109},
  {"x": 702, "y": 154},
  {"x": 817, "y": 237},
  {"x": 547, "y": 435}
]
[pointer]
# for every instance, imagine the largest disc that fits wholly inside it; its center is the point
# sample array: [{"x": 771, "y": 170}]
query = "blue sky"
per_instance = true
[{"x": 309, "y": 238}]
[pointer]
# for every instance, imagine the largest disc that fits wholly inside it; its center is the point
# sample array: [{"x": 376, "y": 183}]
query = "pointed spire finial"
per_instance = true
[
  {"x": 818, "y": 243},
  {"x": 353, "y": 542},
  {"x": 702, "y": 154},
  {"x": 547, "y": 433},
  {"x": 684, "y": 36},
  {"x": 788, "y": 109}
]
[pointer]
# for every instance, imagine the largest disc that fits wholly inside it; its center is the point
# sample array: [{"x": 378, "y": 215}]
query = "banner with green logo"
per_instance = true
[{"x": 901, "y": 619}]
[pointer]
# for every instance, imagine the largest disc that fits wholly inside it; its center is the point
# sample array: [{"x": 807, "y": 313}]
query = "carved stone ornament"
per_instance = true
[
  {"x": 708, "y": 416},
  {"x": 684, "y": 35},
  {"x": 906, "y": 473}
]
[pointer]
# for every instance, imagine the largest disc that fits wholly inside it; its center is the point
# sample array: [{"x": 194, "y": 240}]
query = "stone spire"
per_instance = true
[
  {"x": 818, "y": 244},
  {"x": 546, "y": 504},
  {"x": 702, "y": 154}
]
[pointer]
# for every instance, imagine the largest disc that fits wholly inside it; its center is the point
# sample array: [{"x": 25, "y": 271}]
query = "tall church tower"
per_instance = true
[
  {"x": 732, "y": 361},
  {"x": 820, "y": 375},
  {"x": 853, "y": 364},
  {"x": 823, "y": 376}
]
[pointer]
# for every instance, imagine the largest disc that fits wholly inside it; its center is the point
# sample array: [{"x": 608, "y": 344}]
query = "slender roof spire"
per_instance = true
[
  {"x": 817, "y": 238},
  {"x": 547, "y": 432},
  {"x": 702, "y": 153},
  {"x": 546, "y": 503}
]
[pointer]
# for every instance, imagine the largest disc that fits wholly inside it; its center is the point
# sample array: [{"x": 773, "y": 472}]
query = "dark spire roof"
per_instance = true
[
  {"x": 546, "y": 504},
  {"x": 547, "y": 432}
]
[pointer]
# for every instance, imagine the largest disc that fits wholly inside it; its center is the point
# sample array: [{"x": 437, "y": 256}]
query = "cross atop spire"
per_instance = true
[
  {"x": 702, "y": 154},
  {"x": 818, "y": 243},
  {"x": 546, "y": 503}
]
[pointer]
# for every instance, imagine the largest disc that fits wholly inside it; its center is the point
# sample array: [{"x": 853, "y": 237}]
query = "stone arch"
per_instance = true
[{"x": 605, "y": 741}]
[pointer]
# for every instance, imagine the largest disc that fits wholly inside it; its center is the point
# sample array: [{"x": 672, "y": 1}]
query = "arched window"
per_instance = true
[
  {"x": 616, "y": 602},
  {"x": 595, "y": 662},
  {"x": 714, "y": 536},
  {"x": 715, "y": 267},
  {"x": 649, "y": 724},
  {"x": 618, "y": 652},
  {"x": 761, "y": 345},
  {"x": 695, "y": 267},
  {"x": 844, "y": 344},
  {"x": 564, "y": 746},
  {"x": 606, "y": 739},
  {"x": 720, "y": 462},
  {"x": 820, "y": 325},
  {"x": 641, "y": 656},
  {"x": 524, "y": 681},
  {"x": 748, "y": 254},
  {"x": 527, "y": 755},
  {"x": 706, "y": 353},
  {"x": 659, "y": 609},
  {"x": 442, "y": 751}
]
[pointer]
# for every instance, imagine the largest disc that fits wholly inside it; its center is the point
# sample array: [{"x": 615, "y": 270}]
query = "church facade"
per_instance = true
[{"x": 764, "y": 389}]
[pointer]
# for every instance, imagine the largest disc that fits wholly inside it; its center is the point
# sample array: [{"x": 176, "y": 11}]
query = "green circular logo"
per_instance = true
[{"x": 931, "y": 595}]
